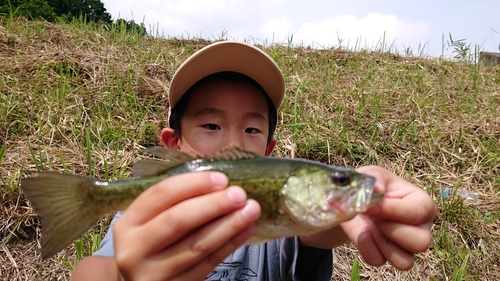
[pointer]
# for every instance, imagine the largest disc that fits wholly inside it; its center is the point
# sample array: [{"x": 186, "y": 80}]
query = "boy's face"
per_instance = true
[{"x": 222, "y": 114}]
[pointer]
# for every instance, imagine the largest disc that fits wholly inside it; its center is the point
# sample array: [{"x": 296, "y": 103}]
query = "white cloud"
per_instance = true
[
  {"x": 317, "y": 23},
  {"x": 367, "y": 32},
  {"x": 279, "y": 28}
]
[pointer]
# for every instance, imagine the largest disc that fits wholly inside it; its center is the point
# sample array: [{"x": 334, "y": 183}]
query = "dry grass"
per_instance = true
[{"x": 79, "y": 99}]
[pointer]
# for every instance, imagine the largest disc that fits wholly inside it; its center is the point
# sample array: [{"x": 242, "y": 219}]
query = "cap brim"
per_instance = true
[{"x": 229, "y": 56}]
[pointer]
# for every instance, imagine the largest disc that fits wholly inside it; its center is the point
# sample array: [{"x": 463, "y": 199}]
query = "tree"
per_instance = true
[
  {"x": 50, "y": 10},
  {"x": 130, "y": 27},
  {"x": 31, "y": 9},
  {"x": 92, "y": 10}
]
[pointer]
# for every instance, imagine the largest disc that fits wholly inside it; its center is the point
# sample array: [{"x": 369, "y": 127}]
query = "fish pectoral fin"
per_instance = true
[{"x": 376, "y": 198}]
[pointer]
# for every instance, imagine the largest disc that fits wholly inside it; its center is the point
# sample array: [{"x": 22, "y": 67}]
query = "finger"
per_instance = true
[
  {"x": 403, "y": 201},
  {"x": 414, "y": 209},
  {"x": 382, "y": 175},
  {"x": 209, "y": 239},
  {"x": 392, "y": 185},
  {"x": 174, "y": 223},
  {"x": 359, "y": 230},
  {"x": 368, "y": 248},
  {"x": 399, "y": 233},
  {"x": 170, "y": 191},
  {"x": 397, "y": 256},
  {"x": 203, "y": 268}
]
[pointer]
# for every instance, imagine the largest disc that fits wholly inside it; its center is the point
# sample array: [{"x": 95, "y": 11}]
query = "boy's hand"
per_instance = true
[
  {"x": 398, "y": 227},
  {"x": 182, "y": 227}
]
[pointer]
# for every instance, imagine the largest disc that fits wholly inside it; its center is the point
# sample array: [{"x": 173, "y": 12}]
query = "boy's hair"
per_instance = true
[{"x": 177, "y": 112}]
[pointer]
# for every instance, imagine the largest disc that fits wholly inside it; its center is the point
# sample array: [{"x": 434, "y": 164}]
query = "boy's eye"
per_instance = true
[
  {"x": 252, "y": 130},
  {"x": 213, "y": 127}
]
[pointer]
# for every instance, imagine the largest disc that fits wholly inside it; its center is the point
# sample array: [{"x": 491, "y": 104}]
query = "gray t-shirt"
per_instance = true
[{"x": 279, "y": 259}]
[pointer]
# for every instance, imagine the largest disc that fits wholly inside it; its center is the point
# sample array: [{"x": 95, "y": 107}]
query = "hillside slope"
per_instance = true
[{"x": 81, "y": 99}]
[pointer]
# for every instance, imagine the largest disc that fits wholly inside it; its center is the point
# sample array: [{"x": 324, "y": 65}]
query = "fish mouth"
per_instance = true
[
  {"x": 333, "y": 205},
  {"x": 365, "y": 194},
  {"x": 355, "y": 200}
]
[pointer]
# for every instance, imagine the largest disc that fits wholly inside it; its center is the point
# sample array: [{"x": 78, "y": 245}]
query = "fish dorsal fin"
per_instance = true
[
  {"x": 151, "y": 167},
  {"x": 174, "y": 158},
  {"x": 170, "y": 154},
  {"x": 234, "y": 153}
]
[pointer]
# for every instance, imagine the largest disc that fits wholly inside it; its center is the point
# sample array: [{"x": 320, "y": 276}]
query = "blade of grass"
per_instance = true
[
  {"x": 2, "y": 152},
  {"x": 63, "y": 163},
  {"x": 355, "y": 271},
  {"x": 88, "y": 146},
  {"x": 11, "y": 232},
  {"x": 33, "y": 157}
]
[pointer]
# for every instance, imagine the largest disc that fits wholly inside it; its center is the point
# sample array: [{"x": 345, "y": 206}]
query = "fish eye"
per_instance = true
[{"x": 341, "y": 178}]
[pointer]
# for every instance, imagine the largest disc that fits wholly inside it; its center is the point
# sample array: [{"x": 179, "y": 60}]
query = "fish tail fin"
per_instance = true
[{"x": 65, "y": 213}]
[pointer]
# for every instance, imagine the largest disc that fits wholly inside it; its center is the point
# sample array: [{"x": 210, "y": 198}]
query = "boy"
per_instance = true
[{"x": 192, "y": 226}]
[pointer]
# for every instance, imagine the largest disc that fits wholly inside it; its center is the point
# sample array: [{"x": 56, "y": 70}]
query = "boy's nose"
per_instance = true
[
  {"x": 234, "y": 143},
  {"x": 234, "y": 140}
]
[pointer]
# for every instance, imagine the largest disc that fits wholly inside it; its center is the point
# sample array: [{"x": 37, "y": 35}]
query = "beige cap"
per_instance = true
[{"x": 229, "y": 56}]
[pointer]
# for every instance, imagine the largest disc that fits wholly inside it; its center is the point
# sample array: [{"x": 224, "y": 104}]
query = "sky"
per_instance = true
[{"x": 422, "y": 27}]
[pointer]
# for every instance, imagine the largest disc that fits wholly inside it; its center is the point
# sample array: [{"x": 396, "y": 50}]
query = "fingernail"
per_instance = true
[
  {"x": 219, "y": 179},
  {"x": 251, "y": 210},
  {"x": 236, "y": 194}
]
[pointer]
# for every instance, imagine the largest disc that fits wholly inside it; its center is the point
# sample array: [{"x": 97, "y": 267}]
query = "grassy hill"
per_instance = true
[{"x": 81, "y": 99}]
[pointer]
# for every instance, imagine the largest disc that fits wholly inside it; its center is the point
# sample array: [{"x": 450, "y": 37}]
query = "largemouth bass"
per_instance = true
[{"x": 297, "y": 196}]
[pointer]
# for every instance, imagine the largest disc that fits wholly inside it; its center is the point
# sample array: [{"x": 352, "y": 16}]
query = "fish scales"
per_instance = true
[{"x": 296, "y": 196}]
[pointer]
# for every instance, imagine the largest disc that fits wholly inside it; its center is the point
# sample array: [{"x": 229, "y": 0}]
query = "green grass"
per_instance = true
[{"x": 78, "y": 98}]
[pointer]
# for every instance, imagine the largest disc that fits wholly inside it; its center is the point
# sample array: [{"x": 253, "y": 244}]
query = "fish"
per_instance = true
[{"x": 297, "y": 196}]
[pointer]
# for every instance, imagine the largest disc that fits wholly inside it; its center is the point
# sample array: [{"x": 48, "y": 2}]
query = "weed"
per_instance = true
[
  {"x": 355, "y": 271},
  {"x": 95, "y": 97}
]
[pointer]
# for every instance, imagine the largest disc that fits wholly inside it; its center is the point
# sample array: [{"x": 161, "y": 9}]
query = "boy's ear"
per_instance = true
[
  {"x": 270, "y": 146},
  {"x": 169, "y": 138}
]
